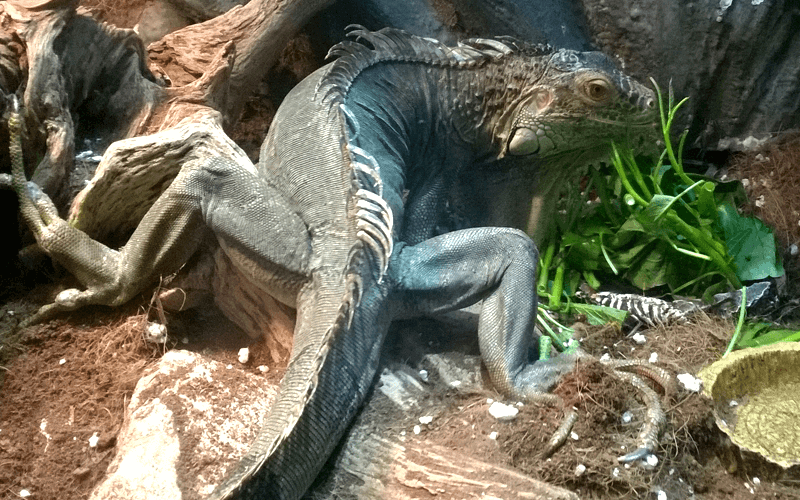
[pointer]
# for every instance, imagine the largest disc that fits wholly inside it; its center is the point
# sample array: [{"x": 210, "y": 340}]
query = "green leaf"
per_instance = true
[
  {"x": 599, "y": 315},
  {"x": 582, "y": 252},
  {"x": 651, "y": 270},
  {"x": 625, "y": 259},
  {"x": 770, "y": 337},
  {"x": 751, "y": 244},
  {"x": 657, "y": 207},
  {"x": 752, "y": 330}
]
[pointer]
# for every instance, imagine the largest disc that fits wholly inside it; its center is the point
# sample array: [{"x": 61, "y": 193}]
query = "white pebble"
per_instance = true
[
  {"x": 62, "y": 361},
  {"x": 489, "y": 401},
  {"x": 455, "y": 383},
  {"x": 426, "y": 420},
  {"x": 793, "y": 249},
  {"x": 263, "y": 368},
  {"x": 579, "y": 470},
  {"x": 605, "y": 357},
  {"x": 417, "y": 429},
  {"x": 93, "y": 440},
  {"x": 244, "y": 355},
  {"x": 690, "y": 382},
  {"x": 651, "y": 460},
  {"x": 229, "y": 367},
  {"x": 733, "y": 403},
  {"x": 615, "y": 472},
  {"x": 493, "y": 435},
  {"x": 639, "y": 338},
  {"x": 661, "y": 495},
  {"x": 423, "y": 374},
  {"x": 627, "y": 417},
  {"x": 756, "y": 481},
  {"x": 653, "y": 357},
  {"x": 502, "y": 411},
  {"x": 155, "y": 333},
  {"x": 24, "y": 493},
  {"x": 574, "y": 436}
]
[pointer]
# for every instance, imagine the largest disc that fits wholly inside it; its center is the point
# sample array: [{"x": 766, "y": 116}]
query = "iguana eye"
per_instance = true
[{"x": 598, "y": 90}]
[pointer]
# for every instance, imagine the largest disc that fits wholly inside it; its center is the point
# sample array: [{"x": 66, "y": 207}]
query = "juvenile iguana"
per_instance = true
[{"x": 369, "y": 165}]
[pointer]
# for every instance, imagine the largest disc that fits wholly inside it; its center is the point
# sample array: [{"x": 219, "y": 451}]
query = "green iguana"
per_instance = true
[{"x": 387, "y": 188}]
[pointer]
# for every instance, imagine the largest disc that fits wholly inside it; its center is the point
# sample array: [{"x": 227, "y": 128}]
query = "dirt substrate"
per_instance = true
[
  {"x": 71, "y": 380},
  {"x": 695, "y": 460}
]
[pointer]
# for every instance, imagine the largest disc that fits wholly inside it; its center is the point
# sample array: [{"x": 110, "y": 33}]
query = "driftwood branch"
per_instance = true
[
  {"x": 258, "y": 30},
  {"x": 384, "y": 468}
]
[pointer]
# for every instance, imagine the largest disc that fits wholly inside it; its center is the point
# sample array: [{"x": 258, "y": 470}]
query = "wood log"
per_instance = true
[
  {"x": 384, "y": 468},
  {"x": 258, "y": 30}
]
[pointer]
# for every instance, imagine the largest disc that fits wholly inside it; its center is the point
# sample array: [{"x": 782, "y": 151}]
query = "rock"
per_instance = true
[
  {"x": 503, "y": 412},
  {"x": 188, "y": 421},
  {"x": 401, "y": 388},
  {"x": 455, "y": 370}
]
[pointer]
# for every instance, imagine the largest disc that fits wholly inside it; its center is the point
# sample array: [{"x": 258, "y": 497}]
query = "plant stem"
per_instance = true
[
  {"x": 704, "y": 244},
  {"x": 618, "y": 166},
  {"x": 739, "y": 324},
  {"x": 544, "y": 269},
  {"x": 602, "y": 191},
  {"x": 558, "y": 286}
]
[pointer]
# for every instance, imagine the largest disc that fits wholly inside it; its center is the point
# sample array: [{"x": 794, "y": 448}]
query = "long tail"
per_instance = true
[{"x": 324, "y": 386}]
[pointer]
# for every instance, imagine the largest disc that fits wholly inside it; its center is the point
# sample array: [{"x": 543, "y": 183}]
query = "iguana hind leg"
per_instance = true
[{"x": 497, "y": 265}]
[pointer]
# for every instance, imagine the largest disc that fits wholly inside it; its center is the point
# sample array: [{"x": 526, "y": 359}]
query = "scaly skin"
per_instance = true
[{"x": 349, "y": 217}]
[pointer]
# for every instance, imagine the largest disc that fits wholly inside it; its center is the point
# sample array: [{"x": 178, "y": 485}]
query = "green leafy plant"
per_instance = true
[{"x": 646, "y": 221}]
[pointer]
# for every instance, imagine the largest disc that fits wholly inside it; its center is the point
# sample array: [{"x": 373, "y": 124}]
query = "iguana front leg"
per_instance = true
[
  {"x": 216, "y": 194},
  {"x": 497, "y": 265}
]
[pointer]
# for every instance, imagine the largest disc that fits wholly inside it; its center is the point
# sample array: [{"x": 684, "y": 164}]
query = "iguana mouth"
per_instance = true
[{"x": 648, "y": 121}]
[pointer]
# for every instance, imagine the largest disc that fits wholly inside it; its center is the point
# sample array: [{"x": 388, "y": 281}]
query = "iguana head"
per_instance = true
[{"x": 579, "y": 104}]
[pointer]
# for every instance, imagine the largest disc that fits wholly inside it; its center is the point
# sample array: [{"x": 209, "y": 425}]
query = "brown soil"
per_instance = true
[
  {"x": 71, "y": 381},
  {"x": 771, "y": 180},
  {"x": 104, "y": 355},
  {"x": 694, "y": 456}
]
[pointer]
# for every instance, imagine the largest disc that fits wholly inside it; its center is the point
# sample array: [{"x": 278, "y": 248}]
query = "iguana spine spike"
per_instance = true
[
  {"x": 369, "y": 222},
  {"x": 369, "y": 235},
  {"x": 385, "y": 217},
  {"x": 351, "y": 120},
  {"x": 373, "y": 175}
]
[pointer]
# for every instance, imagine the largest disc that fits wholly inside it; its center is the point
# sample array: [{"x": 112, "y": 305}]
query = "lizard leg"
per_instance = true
[
  {"x": 497, "y": 265},
  {"x": 220, "y": 195}
]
